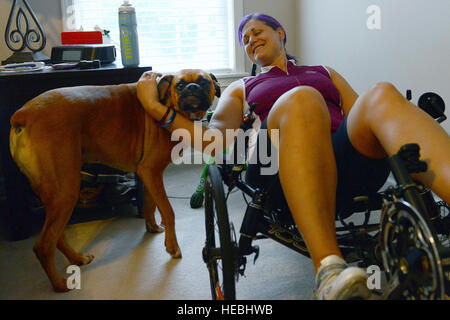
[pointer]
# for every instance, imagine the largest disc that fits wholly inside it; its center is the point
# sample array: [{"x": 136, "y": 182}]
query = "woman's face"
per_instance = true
[{"x": 262, "y": 44}]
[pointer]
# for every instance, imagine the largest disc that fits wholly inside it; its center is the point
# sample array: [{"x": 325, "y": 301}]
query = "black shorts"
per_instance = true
[{"x": 357, "y": 174}]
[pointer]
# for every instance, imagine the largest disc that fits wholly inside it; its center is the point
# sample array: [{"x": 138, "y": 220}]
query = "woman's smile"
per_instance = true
[{"x": 259, "y": 46}]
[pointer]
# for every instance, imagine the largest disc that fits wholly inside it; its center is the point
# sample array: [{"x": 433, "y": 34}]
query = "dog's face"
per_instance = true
[{"x": 190, "y": 92}]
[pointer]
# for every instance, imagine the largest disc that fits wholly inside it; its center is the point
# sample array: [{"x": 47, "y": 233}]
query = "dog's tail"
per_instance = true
[
  {"x": 18, "y": 123},
  {"x": 20, "y": 146}
]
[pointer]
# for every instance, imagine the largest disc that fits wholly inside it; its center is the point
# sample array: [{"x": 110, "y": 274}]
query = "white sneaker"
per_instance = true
[{"x": 336, "y": 281}]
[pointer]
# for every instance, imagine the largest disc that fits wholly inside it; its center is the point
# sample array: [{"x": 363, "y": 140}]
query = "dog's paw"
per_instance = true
[
  {"x": 83, "y": 259},
  {"x": 154, "y": 228},
  {"x": 61, "y": 286},
  {"x": 174, "y": 251},
  {"x": 176, "y": 254},
  {"x": 86, "y": 259}
]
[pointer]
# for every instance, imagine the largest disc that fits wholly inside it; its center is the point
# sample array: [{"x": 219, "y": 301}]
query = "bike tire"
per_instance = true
[{"x": 220, "y": 259}]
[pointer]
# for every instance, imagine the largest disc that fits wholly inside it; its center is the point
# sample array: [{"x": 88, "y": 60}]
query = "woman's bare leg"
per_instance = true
[
  {"x": 307, "y": 167},
  {"x": 382, "y": 120}
]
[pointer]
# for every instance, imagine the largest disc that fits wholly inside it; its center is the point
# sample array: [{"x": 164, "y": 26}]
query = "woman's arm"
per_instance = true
[
  {"x": 227, "y": 115},
  {"x": 348, "y": 95}
]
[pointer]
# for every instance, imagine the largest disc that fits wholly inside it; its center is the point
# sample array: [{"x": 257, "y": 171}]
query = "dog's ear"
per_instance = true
[
  {"x": 216, "y": 85},
  {"x": 163, "y": 88}
]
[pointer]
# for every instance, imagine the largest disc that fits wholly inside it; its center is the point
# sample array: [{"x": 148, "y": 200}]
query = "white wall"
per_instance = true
[{"x": 412, "y": 49}]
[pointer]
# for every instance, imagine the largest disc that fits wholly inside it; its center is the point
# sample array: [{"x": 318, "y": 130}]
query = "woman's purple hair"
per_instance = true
[{"x": 266, "y": 19}]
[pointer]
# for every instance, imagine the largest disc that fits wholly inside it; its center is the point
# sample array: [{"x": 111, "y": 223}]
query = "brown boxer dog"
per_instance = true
[{"x": 55, "y": 133}]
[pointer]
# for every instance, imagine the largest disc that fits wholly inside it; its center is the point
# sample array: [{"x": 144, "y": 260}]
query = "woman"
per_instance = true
[{"x": 330, "y": 139}]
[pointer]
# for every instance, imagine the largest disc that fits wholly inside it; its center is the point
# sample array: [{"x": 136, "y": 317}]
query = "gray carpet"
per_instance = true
[{"x": 132, "y": 264}]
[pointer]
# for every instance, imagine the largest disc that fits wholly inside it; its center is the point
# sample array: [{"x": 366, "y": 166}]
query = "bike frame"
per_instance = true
[{"x": 260, "y": 224}]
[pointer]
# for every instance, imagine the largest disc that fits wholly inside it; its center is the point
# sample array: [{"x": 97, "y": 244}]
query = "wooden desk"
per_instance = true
[{"x": 15, "y": 91}]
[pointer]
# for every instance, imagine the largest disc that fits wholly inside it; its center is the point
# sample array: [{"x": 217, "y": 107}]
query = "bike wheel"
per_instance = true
[
  {"x": 410, "y": 255},
  {"x": 220, "y": 248}
]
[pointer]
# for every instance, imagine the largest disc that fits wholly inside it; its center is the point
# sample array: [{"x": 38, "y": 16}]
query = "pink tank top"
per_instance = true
[{"x": 265, "y": 88}]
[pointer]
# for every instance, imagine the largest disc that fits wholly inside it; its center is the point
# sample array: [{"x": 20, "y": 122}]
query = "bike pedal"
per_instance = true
[
  {"x": 256, "y": 251},
  {"x": 242, "y": 265},
  {"x": 410, "y": 154}
]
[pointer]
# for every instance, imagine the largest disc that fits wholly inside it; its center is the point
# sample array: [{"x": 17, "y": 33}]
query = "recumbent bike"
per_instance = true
[{"x": 411, "y": 243}]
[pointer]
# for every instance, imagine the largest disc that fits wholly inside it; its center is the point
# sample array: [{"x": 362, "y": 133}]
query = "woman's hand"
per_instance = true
[{"x": 147, "y": 90}]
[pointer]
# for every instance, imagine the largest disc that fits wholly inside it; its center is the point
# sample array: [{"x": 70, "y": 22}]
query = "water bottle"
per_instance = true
[{"x": 129, "y": 45}]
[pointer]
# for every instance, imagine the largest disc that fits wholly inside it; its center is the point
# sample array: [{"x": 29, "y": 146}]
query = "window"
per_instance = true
[{"x": 173, "y": 34}]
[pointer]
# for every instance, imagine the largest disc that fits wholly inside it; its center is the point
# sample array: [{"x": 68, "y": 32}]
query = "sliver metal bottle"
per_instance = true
[{"x": 129, "y": 44}]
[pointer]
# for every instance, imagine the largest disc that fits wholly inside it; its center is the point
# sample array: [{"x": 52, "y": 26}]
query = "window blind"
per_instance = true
[{"x": 173, "y": 34}]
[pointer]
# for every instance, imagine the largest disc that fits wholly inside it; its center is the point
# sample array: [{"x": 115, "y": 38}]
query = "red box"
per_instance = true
[{"x": 81, "y": 37}]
